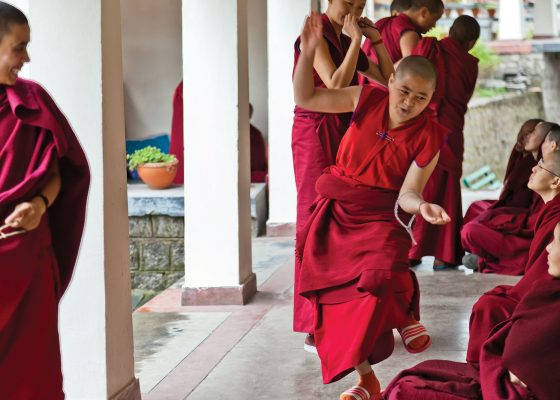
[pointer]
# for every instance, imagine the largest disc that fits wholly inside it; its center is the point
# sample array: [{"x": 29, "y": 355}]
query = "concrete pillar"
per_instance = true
[
  {"x": 76, "y": 55},
  {"x": 282, "y": 33},
  {"x": 258, "y": 67},
  {"x": 512, "y": 20},
  {"x": 551, "y": 90},
  {"x": 545, "y": 19},
  {"x": 217, "y": 208}
]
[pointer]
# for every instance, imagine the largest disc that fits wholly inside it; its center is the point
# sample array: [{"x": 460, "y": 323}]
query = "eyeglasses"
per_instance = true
[{"x": 540, "y": 165}]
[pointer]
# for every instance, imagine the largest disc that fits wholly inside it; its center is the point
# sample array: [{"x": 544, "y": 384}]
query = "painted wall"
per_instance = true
[
  {"x": 258, "y": 67},
  {"x": 152, "y": 62}
]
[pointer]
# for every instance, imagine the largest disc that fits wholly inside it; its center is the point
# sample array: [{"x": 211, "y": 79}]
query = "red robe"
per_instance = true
[
  {"x": 176, "y": 145},
  {"x": 353, "y": 252},
  {"x": 259, "y": 164},
  {"x": 498, "y": 304},
  {"x": 315, "y": 141},
  {"x": 500, "y": 232},
  {"x": 37, "y": 265},
  {"x": 457, "y": 72},
  {"x": 531, "y": 354},
  {"x": 391, "y": 29}
]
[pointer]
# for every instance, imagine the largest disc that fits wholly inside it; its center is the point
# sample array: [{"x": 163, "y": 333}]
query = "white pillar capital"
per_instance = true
[{"x": 512, "y": 20}]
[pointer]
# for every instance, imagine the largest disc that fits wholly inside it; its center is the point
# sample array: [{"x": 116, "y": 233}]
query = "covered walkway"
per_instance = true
[{"x": 243, "y": 352}]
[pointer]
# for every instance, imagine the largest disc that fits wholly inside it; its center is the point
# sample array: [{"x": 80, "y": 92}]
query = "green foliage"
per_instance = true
[
  {"x": 487, "y": 58},
  {"x": 488, "y": 92},
  {"x": 148, "y": 154},
  {"x": 438, "y": 32}
]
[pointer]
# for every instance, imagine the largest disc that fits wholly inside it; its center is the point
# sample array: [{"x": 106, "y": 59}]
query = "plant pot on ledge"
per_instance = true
[
  {"x": 158, "y": 175},
  {"x": 155, "y": 168}
]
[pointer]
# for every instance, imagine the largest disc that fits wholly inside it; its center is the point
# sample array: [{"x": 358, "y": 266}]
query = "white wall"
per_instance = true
[
  {"x": 282, "y": 33},
  {"x": 258, "y": 66},
  {"x": 152, "y": 61}
]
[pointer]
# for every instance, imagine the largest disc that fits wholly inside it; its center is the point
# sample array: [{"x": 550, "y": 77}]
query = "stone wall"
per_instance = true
[
  {"x": 156, "y": 251},
  {"x": 491, "y": 128},
  {"x": 531, "y": 64}
]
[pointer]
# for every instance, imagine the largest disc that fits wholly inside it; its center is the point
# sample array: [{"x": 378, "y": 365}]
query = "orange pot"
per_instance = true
[{"x": 158, "y": 175}]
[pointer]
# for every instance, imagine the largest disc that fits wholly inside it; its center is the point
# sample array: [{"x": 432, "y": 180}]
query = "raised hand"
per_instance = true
[
  {"x": 351, "y": 27},
  {"x": 369, "y": 29},
  {"x": 312, "y": 33},
  {"x": 434, "y": 214}
]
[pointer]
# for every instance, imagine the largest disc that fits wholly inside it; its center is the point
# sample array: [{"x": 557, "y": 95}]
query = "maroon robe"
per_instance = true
[
  {"x": 457, "y": 72},
  {"x": 37, "y": 265},
  {"x": 515, "y": 345},
  {"x": 315, "y": 141},
  {"x": 259, "y": 164},
  {"x": 498, "y": 304},
  {"x": 353, "y": 252},
  {"x": 500, "y": 232},
  {"x": 176, "y": 145}
]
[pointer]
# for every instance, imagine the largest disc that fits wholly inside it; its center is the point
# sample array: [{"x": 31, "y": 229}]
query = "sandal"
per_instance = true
[
  {"x": 411, "y": 332},
  {"x": 360, "y": 393}
]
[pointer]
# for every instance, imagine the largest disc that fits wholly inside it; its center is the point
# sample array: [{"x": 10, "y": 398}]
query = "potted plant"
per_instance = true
[
  {"x": 491, "y": 9},
  {"x": 155, "y": 168},
  {"x": 475, "y": 10}
]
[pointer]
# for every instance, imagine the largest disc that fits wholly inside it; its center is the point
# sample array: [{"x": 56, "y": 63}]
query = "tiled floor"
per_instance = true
[{"x": 236, "y": 352}]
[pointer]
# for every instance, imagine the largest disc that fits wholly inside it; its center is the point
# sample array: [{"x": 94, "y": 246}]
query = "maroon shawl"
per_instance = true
[
  {"x": 391, "y": 29},
  {"x": 176, "y": 145},
  {"x": 42, "y": 135},
  {"x": 527, "y": 346}
]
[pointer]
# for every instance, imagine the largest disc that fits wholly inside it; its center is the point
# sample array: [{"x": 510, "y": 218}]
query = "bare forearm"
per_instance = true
[
  {"x": 342, "y": 76},
  {"x": 52, "y": 188},
  {"x": 410, "y": 201},
  {"x": 385, "y": 63},
  {"x": 304, "y": 87}
]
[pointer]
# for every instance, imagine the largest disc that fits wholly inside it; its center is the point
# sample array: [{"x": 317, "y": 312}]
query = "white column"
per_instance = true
[
  {"x": 76, "y": 55},
  {"x": 282, "y": 33},
  {"x": 216, "y": 107},
  {"x": 545, "y": 18},
  {"x": 512, "y": 23},
  {"x": 258, "y": 68}
]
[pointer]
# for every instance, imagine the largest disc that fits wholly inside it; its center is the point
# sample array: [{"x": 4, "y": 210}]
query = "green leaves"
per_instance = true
[{"x": 148, "y": 154}]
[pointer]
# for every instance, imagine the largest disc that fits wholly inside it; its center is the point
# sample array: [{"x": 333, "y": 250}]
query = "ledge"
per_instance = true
[
  {"x": 551, "y": 45},
  {"x": 145, "y": 201}
]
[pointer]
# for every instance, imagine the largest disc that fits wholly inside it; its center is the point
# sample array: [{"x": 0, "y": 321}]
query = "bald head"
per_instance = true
[
  {"x": 417, "y": 66},
  {"x": 552, "y": 162},
  {"x": 10, "y": 15},
  {"x": 465, "y": 29},
  {"x": 433, "y": 6}
]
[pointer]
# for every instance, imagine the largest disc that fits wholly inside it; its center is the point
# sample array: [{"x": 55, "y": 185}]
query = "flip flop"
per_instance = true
[
  {"x": 360, "y": 393},
  {"x": 411, "y": 332}
]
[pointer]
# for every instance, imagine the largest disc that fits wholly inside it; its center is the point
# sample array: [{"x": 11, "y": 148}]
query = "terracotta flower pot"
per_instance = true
[
  {"x": 491, "y": 12},
  {"x": 460, "y": 11},
  {"x": 158, "y": 175},
  {"x": 475, "y": 12},
  {"x": 447, "y": 12}
]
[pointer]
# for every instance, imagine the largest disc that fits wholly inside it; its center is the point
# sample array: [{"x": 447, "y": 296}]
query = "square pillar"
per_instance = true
[
  {"x": 76, "y": 54},
  {"x": 218, "y": 266},
  {"x": 282, "y": 33},
  {"x": 512, "y": 20},
  {"x": 545, "y": 19}
]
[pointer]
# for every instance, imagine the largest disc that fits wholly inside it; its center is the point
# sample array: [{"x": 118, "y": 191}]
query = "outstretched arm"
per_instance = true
[
  {"x": 408, "y": 42},
  {"x": 306, "y": 95},
  {"x": 27, "y": 215},
  {"x": 410, "y": 199},
  {"x": 379, "y": 72},
  {"x": 333, "y": 77}
]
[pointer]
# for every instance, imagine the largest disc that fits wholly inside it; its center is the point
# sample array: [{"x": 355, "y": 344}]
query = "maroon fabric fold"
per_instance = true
[
  {"x": 176, "y": 145},
  {"x": 391, "y": 29},
  {"x": 37, "y": 266},
  {"x": 497, "y": 305}
]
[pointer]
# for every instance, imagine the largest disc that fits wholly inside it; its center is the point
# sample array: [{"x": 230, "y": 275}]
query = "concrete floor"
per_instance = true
[{"x": 234, "y": 352}]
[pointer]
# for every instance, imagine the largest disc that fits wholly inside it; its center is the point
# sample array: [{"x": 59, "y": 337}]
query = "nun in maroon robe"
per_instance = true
[
  {"x": 353, "y": 252},
  {"x": 457, "y": 72},
  {"x": 36, "y": 265},
  {"x": 315, "y": 141},
  {"x": 525, "y": 345},
  {"x": 498, "y": 304},
  {"x": 500, "y": 232}
]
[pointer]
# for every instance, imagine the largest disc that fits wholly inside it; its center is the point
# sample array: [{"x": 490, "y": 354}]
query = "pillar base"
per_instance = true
[
  {"x": 224, "y": 295},
  {"x": 131, "y": 392},
  {"x": 275, "y": 229}
]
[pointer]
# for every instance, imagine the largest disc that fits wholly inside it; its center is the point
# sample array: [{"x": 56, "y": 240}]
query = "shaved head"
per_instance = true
[
  {"x": 417, "y": 66},
  {"x": 433, "y": 6},
  {"x": 465, "y": 29},
  {"x": 554, "y": 134},
  {"x": 552, "y": 162},
  {"x": 10, "y": 15}
]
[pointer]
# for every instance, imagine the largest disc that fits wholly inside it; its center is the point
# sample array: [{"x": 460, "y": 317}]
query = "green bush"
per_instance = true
[
  {"x": 487, "y": 58},
  {"x": 148, "y": 154}
]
